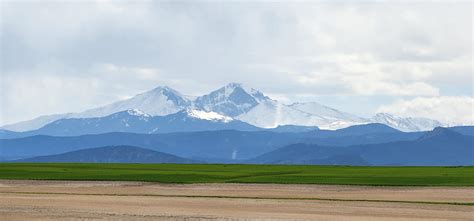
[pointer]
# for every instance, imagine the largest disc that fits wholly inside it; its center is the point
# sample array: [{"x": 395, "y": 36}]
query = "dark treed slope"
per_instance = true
[
  {"x": 111, "y": 154},
  {"x": 440, "y": 147}
]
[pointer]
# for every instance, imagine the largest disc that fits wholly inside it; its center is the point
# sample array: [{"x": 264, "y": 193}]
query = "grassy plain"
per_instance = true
[{"x": 221, "y": 173}]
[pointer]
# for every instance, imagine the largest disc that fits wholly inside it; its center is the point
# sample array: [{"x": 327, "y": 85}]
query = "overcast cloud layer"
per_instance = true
[{"x": 410, "y": 59}]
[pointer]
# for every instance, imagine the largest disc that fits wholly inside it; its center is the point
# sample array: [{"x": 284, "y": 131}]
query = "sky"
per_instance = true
[{"x": 412, "y": 59}]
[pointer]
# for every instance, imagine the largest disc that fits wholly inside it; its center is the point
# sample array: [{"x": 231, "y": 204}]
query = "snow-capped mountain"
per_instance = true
[
  {"x": 270, "y": 114},
  {"x": 233, "y": 102},
  {"x": 133, "y": 120},
  {"x": 160, "y": 101},
  {"x": 136, "y": 121},
  {"x": 406, "y": 124},
  {"x": 252, "y": 106},
  {"x": 333, "y": 119}
]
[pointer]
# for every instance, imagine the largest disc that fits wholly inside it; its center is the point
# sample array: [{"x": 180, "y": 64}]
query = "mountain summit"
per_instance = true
[
  {"x": 231, "y": 100},
  {"x": 160, "y": 101}
]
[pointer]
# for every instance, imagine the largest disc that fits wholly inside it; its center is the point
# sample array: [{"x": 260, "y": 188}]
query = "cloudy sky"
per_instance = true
[{"x": 405, "y": 58}]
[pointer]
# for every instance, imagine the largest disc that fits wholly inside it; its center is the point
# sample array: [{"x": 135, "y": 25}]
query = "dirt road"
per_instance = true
[{"x": 84, "y": 200}]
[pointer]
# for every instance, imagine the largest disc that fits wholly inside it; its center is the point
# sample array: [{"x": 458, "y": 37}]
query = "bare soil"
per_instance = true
[{"x": 90, "y": 200}]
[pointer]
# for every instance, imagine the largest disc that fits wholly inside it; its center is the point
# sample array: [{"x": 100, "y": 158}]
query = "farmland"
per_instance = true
[{"x": 222, "y": 173}]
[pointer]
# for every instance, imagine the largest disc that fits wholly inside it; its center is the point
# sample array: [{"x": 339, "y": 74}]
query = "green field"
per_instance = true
[{"x": 218, "y": 173}]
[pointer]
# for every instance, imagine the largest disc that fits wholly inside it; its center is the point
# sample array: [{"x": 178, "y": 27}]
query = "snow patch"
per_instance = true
[
  {"x": 212, "y": 116},
  {"x": 138, "y": 113}
]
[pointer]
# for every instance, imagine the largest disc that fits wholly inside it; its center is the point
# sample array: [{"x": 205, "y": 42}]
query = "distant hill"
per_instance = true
[
  {"x": 440, "y": 147},
  {"x": 436, "y": 148},
  {"x": 343, "y": 159},
  {"x": 224, "y": 145},
  {"x": 310, "y": 154},
  {"x": 111, "y": 154},
  {"x": 465, "y": 130},
  {"x": 9, "y": 134}
]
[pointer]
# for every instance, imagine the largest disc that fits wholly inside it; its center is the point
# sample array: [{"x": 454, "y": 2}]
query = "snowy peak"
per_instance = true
[
  {"x": 407, "y": 124},
  {"x": 231, "y": 100},
  {"x": 160, "y": 101},
  {"x": 170, "y": 94},
  {"x": 257, "y": 95}
]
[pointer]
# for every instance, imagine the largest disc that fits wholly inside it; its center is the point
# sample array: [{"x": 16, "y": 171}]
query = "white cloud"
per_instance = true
[
  {"x": 449, "y": 110},
  {"x": 360, "y": 74},
  {"x": 116, "y": 49}
]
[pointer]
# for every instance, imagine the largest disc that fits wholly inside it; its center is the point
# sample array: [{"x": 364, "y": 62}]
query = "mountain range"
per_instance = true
[
  {"x": 233, "y": 106},
  {"x": 220, "y": 145},
  {"x": 233, "y": 124},
  {"x": 440, "y": 147},
  {"x": 135, "y": 121}
]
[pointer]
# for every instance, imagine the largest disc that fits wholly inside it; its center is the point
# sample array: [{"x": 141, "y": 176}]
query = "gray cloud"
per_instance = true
[{"x": 97, "y": 52}]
